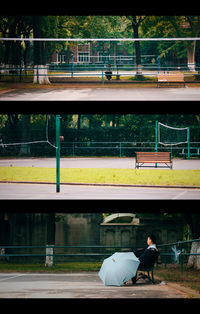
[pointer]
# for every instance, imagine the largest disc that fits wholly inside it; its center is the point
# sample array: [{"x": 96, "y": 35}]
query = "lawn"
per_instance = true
[
  {"x": 59, "y": 267},
  {"x": 188, "y": 278},
  {"x": 103, "y": 175}
]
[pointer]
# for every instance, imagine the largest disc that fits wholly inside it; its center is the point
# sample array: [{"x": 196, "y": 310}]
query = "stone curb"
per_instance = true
[{"x": 107, "y": 184}]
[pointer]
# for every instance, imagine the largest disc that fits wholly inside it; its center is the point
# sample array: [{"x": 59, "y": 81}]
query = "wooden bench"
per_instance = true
[
  {"x": 153, "y": 157},
  {"x": 109, "y": 75},
  {"x": 193, "y": 152},
  {"x": 170, "y": 79}
]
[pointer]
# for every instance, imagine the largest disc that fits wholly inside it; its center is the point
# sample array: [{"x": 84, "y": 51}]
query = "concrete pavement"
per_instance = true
[
  {"x": 92, "y": 162},
  {"x": 78, "y": 285},
  {"x": 78, "y": 191},
  {"x": 20, "y": 191},
  {"x": 104, "y": 93}
]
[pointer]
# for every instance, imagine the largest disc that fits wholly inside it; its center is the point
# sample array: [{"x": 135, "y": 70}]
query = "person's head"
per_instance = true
[{"x": 151, "y": 239}]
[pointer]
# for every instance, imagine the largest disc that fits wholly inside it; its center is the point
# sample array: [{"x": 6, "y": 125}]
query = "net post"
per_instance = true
[
  {"x": 156, "y": 139},
  {"x": 72, "y": 65},
  {"x": 57, "y": 153},
  {"x": 37, "y": 75},
  {"x": 188, "y": 139},
  {"x": 102, "y": 78}
]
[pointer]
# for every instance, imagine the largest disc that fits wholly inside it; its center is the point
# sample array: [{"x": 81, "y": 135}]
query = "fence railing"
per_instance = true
[
  {"x": 125, "y": 148},
  {"x": 112, "y": 149},
  {"x": 176, "y": 251},
  {"x": 169, "y": 252},
  {"x": 101, "y": 149},
  {"x": 85, "y": 70}
]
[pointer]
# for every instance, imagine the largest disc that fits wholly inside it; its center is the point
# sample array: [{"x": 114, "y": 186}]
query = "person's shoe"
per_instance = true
[{"x": 133, "y": 280}]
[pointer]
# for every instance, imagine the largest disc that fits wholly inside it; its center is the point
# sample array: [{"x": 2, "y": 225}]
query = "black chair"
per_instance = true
[
  {"x": 149, "y": 276},
  {"x": 149, "y": 270}
]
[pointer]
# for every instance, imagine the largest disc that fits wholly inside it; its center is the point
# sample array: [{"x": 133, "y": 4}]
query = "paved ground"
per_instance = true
[
  {"x": 77, "y": 285},
  {"x": 89, "y": 192},
  {"x": 93, "y": 162},
  {"x": 100, "y": 93},
  {"x": 81, "y": 192}
]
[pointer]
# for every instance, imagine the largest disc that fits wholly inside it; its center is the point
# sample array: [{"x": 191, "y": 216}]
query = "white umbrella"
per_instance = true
[{"x": 118, "y": 268}]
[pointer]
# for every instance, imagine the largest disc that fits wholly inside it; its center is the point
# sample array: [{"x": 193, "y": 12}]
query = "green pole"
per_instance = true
[
  {"x": 188, "y": 143},
  {"x": 57, "y": 153},
  {"x": 156, "y": 140},
  {"x": 37, "y": 75}
]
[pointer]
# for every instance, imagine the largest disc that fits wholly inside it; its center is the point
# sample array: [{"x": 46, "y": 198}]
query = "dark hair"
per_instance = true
[{"x": 152, "y": 237}]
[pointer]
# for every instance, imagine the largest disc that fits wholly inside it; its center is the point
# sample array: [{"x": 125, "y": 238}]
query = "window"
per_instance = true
[
  {"x": 83, "y": 57},
  {"x": 104, "y": 57}
]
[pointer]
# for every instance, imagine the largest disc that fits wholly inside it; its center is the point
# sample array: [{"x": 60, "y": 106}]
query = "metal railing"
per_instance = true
[
  {"x": 125, "y": 148},
  {"x": 85, "y": 70},
  {"x": 101, "y": 251},
  {"x": 165, "y": 250},
  {"x": 176, "y": 252}
]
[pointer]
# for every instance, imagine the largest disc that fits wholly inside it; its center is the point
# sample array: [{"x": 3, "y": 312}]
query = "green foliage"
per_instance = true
[{"x": 100, "y": 27}]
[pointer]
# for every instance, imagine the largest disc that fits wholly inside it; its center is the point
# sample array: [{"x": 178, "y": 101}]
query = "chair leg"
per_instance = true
[{"x": 152, "y": 276}]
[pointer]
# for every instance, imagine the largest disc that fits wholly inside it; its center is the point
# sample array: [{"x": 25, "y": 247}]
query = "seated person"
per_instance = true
[{"x": 147, "y": 256}]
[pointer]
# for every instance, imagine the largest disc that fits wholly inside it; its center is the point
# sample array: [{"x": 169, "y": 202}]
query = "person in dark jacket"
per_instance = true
[{"x": 148, "y": 255}]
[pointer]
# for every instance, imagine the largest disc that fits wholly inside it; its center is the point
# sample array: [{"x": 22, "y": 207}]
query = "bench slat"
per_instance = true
[
  {"x": 166, "y": 79},
  {"x": 153, "y": 157}
]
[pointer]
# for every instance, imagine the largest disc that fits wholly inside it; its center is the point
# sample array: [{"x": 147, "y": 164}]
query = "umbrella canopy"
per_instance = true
[{"x": 118, "y": 268}]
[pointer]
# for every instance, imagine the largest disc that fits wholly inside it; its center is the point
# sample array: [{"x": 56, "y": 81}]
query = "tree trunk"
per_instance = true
[
  {"x": 41, "y": 74},
  {"x": 191, "y": 56},
  {"x": 40, "y": 68},
  {"x": 194, "y": 261},
  {"x": 25, "y": 136},
  {"x": 135, "y": 26}
]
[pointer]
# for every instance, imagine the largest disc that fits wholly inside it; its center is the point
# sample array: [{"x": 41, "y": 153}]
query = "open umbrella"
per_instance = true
[{"x": 118, "y": 268}]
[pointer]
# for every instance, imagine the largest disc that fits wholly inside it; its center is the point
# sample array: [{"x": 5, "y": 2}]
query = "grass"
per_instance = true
[
  {"x": 59, "y": 267},
  {"x": 103, "y": 175},
  {"x": 188, "y": 278}
]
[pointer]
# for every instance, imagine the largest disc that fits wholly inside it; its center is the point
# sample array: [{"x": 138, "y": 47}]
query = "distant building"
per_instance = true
[{"x": 92, "y": 53}]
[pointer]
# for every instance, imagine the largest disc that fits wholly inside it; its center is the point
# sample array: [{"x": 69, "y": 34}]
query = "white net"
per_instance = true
[
  {"x": 46, "y": 140},
  {"x": 168, "y": 135}
]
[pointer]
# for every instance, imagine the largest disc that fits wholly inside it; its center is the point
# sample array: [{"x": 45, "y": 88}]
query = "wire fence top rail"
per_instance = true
[
  {"x": 100, "y": 39},
  {"x": 96, "y": 246}
]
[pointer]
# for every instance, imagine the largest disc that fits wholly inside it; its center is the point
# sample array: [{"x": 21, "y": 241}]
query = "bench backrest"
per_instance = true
[
  {"x": 171, "y": 77},
  {"x": 153, "y": 156}
]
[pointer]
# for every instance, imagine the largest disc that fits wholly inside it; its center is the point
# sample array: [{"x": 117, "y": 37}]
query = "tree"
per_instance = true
[
  {"x": 25, "y": 136},
  {"x": 136, "y": 21},
  {"x": 40, "y": 69},
  {"x": 174, "y": 26},
  {"x": 193, "y": 221}
]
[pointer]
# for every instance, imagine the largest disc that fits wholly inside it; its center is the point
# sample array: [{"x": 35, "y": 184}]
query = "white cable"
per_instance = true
[
  {"x": 101, "y": 39},
  {"x": 32, "y": 142},
  {"x": 47, "y": 128},
  {"x": 170, "y": 127}
]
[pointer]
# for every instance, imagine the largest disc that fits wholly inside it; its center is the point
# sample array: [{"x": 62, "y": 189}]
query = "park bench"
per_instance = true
[
  {"x": 193, "y": 152},
  {"x": 109, "y": 75},
  {"x": 153, "y": 157},
  {"x": 170, "y": 79}
]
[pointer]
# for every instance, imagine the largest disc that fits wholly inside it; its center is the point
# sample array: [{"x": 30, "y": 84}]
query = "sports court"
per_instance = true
[
  {"x": 77, "y": 285},
  {"x": 91, "y": 162},
  {"x": 99, "y": 191},
  {"x": 103, "y": 94}
]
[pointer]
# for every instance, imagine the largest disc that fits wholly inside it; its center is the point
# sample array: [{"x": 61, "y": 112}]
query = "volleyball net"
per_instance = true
[
  {"x": 5, "y": 144},
  {"x": 172, "y": 136},
  {"x": 88, "y": 57}
]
